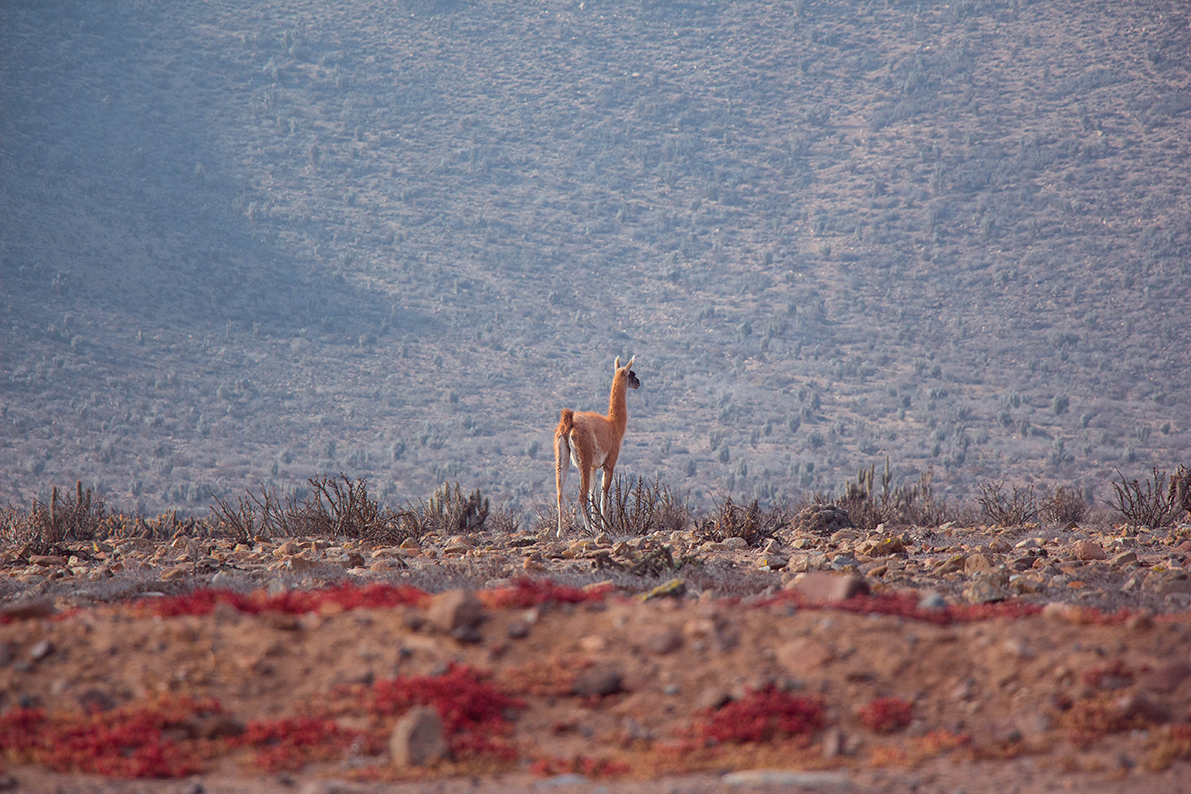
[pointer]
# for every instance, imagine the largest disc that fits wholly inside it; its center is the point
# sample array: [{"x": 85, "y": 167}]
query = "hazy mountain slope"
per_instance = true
[{"x": 247, "y": 240}]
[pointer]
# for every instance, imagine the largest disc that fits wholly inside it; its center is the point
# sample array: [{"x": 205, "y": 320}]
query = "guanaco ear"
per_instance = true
[
  {"x": 617, "y": 364},
  {"x": 630, "y": 364}
]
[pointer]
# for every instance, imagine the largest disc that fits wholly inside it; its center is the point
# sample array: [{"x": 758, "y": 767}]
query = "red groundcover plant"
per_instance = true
[
  {"x": 474, "y": 712},
  {"x": 886, "y": 715},
  {"x": 527, "y": 592},
  {"x": 340, "y": 597},
  {"x": 761, "y": 716},
  {"x": 130, "y": 741}
]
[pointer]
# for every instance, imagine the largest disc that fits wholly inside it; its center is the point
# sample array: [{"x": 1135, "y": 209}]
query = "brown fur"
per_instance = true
[{"x": 592, "y": 441}]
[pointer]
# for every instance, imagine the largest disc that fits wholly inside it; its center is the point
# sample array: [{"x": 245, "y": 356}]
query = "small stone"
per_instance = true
[
  {"x": 352, "y": 559},
  {"x": 787, "y": 778},
  {"x": 41, "y": 650},
  {"x": 454, "y": 608},
  {"x": 216, "y": 726},
  {"x": 931, "y": 601},
  {"x": 713, "y": 697},
  {"x": 47, "y": 561},
  {"x": 833, "y": 743},
  {"x": 1124, "y": 558},
  {"x": 27, "y": 610},
  {"x": 1088, "y": 550},
  {"x": 735, "y": 544},
  {"x": 517, "y": 630},
  {"x": 1138, "y": 705},
  {"x": 952, "y": 564},
  {"x": 418, "y": 739},
  {"x": 975, "y": 563},
  {"x": 598, "y": 681},
  {"x": 823, "y": 587},
  {"x": 1165, "y": 679},
  {"x": 803, "y": 654},
  {"x": 984, "y": 590},
  {"x": 774, "y": 562},
  {"x": 675, "y": 588},
  {"x": 593, "y": 643},
  {"x": 664, "y": 642},
  {"x": 296, "y": 563},
  {"x": 467, "y": 634}
]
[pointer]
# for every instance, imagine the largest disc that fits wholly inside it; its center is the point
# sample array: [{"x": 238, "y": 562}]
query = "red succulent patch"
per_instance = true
[
  {"x": 886, "y": 715},
  {"x": 340, "y": 597},
  {"x": 761, "y": 716},
  {"x": 527, "y": 592}
]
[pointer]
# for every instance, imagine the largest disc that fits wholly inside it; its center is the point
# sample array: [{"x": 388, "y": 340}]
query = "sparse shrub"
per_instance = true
[
  {"x": 1007, "y": 510},
  {"x": 1066, "y": 507},
  {"x": 1180, "y": 489},
  {"x": 78, "y": 516},
  {"x": 729, "y": 520},
  {"x": 644, "y": 508},
  {"x": 859, "y": 501},
  {"x": 449, "y": 512},
  {"x": 822, "y": 519},
  {"x": 1147, "y": 503}
]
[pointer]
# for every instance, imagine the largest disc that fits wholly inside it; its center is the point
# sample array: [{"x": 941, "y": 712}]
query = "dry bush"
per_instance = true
[
  {"x": 338, "y": 508},
  {"x": 906, "y": 504},
  {"x": 729, "y": 520},
  {"x": 1004, "y": 510},
  {"x": 68, "y": 517},
  {"x": 1147, "y": 503},
  {"x": 643, "y": 508},
  {"x": 1066, "y": 507},
  {"x": 859, "y": 502},
  {"x": 449, "y": 512}
]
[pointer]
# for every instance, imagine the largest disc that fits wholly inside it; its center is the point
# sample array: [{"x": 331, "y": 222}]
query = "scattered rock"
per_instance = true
[
  {"x": 418, "y": 738},
  {"x": 603, "y": 679},
  {"x": 774, "y": 562},
  {"x": 675, "y": 588},
  {"x": 518, "y": 629},
  {"x": 41, "y": 650},
  {"x": 47, "y": 561},
  {"x": 713, "y": 697},
  {"x": 783, "y": 777},
  {"x": 1138, "y": 705},
  {"x": 931, "y": 601},
  {"x": 985, "y": 590},
  {"x": 1088, "y": 550},
  {"x": 94, "y": 701},
  {"x": 216, "y": 726},
  {"x": 952, "y": 564},
  {"x": 454, "y": 609},
  {"x": 803, "y": 654},
  {"x": 1166, "y": 678},
  {"x": 27, "y": 610},
  {"x": 735, "y": 544},
  {"x": 819, "y": 587},
  {"x": 664, "y": 642},
  {"x": 975, "y": 563}
]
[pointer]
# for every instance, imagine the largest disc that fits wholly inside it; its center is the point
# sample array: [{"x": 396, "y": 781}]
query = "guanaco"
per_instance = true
[{"x": 592, "y": 441}]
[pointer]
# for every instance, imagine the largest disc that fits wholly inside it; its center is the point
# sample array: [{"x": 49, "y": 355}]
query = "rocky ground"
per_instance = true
[{"x": 978, "y": 659}]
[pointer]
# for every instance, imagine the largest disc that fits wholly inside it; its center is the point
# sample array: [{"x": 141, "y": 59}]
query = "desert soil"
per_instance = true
[{"x": 1034, "y": 658}]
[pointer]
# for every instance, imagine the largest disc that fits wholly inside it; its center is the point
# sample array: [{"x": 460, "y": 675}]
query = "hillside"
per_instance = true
[{"x": 243, "y": 243}]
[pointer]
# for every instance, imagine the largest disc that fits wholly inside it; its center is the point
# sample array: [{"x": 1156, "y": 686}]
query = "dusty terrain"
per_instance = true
[{"x": 1073, "y": 673}]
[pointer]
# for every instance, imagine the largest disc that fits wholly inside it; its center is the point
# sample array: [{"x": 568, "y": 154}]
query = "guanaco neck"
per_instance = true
[{"x": 618, "y": 411}]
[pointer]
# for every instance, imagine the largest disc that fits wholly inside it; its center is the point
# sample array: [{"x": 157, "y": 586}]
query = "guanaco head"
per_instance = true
[{"x": 629, "y": 375}]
